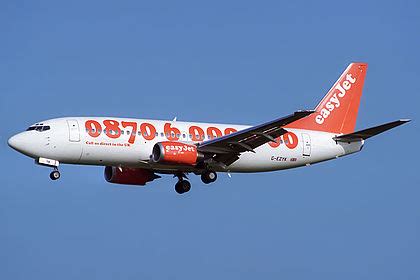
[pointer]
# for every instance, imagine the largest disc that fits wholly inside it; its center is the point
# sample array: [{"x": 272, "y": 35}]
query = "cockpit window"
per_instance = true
[{"x": 39, "y": 128}]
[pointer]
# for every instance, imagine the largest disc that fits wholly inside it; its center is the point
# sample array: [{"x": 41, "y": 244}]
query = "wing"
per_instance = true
[{"x": 226, "y": 149}]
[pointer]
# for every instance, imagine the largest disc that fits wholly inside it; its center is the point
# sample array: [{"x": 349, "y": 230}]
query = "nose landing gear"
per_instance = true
[{"x": 55, "y": 175}]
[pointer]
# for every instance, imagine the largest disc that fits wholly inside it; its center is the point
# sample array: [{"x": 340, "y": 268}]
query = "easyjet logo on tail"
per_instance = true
[{"x": 334, "y": 101}]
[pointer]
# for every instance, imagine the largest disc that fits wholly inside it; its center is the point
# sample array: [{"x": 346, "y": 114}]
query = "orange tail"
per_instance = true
[{"x": 337, "y": 111}]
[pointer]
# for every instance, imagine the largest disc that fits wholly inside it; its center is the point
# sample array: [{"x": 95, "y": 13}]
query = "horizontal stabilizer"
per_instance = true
[{"x": 367, "y": 133}]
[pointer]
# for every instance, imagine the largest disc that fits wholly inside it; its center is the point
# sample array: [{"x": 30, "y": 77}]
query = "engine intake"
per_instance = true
[{"x": 175, "y": 152}]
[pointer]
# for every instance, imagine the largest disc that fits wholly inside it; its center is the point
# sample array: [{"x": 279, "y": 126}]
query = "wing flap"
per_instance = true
[
  {"x": 226, "y": 149},
  {"x": 252, "y": 137}
]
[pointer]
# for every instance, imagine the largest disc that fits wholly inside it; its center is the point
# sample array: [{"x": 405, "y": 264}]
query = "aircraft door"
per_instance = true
[
  {"x": 74, "y": 133},
  {"x": 306, "y": 145}
]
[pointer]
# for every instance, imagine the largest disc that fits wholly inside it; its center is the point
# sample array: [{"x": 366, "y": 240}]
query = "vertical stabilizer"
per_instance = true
[{"x": 337, "y": 111}]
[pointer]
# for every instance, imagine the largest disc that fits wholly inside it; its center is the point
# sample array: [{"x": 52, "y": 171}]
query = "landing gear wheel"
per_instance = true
[
  {"x": 208, "y": 177},
  {"x": 182, "y": 186},
  {"x": 55, "y": 175}
]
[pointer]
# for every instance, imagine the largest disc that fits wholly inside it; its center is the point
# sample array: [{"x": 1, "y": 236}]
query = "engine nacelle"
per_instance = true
[
  {"x": 129, "y": 176},
  {"x": 175, "y": 152}
]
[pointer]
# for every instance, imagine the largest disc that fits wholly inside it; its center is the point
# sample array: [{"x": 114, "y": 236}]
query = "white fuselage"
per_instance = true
[{"x": 129, "y": 142}]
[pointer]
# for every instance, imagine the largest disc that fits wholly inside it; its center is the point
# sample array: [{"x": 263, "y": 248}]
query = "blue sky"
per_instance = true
[{"x": 222, "y": 61}]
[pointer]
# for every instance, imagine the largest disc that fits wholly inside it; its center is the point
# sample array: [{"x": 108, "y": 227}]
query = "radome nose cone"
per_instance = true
[
  {"x": 24, "y": 143},
  {"x": 15, "y": 142},
  {"x": 12, "y": 142}
]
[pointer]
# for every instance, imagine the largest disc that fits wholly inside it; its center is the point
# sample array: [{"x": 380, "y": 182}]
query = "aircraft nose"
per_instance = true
[{"x": 17, "y": 142}]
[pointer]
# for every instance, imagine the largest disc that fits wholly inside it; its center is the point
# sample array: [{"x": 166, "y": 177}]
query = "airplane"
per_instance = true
[{"x": 138, "y": 151}]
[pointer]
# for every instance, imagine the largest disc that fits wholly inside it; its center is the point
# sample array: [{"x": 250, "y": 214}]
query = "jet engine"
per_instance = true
[
  {"x": 176, "y": 153},
  {"x": 129, "y": 176}
]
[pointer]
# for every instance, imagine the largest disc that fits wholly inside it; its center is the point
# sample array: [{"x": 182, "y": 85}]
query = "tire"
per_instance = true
[
  {"x": 55, "y": 175},
  {"x": 182, "y": 186},
  {"x": 208, "y": 177},
  {"x": 178, "y": 188},
  {"x": 186, "y": 186}
]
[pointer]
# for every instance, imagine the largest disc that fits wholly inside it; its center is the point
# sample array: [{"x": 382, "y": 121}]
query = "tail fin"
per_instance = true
[{"x": 337, "y": 111}]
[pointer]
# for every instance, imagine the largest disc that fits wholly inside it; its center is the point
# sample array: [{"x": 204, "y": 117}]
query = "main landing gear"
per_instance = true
[
  {"x": 183, "y": 185},
  {"x": 208, "y": 177}
]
